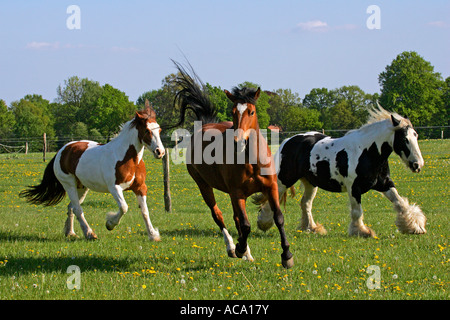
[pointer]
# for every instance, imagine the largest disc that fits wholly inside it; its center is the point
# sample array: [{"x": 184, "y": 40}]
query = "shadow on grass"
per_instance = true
[
  {"x": 26, "y": 265},
  {"x": 214, "y": 233},
  {"x": 14, "y": 237}
]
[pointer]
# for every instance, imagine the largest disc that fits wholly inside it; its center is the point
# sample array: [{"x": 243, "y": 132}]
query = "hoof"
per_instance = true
[
  {"x": 231, "y": 253},
  {"x": 319, "y": 229},
  {"x": 363, "y": 231},
  {"x": 264, "y": 226},
  {"x": 155, "y": 237},
  {"x": 245, "y": 255},
  {"x": 71, "y": 236},
  {"x": 91, "y": 236},
  {"x": 289, "y": 263},
  {"x": 365, "y": 234},
  {"x": 110, "y": 226}
]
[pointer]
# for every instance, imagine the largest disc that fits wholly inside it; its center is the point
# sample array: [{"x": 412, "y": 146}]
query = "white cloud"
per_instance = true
[
  {"x": 42, "y": 45},
  {"x": 439, "y": 24},
  {"x": 314, "y": 25},
  {"x": 321, "y": 26}
]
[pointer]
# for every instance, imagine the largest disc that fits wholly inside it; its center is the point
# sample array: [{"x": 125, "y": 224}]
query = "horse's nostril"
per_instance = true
[{"x": 415, "y": 166}]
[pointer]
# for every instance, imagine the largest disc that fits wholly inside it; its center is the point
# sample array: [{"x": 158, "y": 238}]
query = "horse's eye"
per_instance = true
[{"x": 252, "y": 113}]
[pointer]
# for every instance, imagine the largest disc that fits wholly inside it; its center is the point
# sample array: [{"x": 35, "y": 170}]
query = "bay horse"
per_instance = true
[
  {"x": 110, "y": 168},
  {"x": 239, "y": 179},
  {"x": 355, "y": 163}
]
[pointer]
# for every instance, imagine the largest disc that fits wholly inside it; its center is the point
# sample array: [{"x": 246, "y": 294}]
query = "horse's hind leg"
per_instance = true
[
  {"x": 357, "y": 226},
  {"x": 68, "y": 226},
  {"x": 208, "y": 196},
  {"x": 307, "y": 223},
  {"x": 265, "y": 216},
  {"x": 75, "y": 207},
  {"x": 410, "y": 219}
]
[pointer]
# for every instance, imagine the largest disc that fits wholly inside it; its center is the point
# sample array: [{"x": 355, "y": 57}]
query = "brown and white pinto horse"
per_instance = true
[
  {"x": 114, "y": 167},
  {"x": 231, "y": 171}
]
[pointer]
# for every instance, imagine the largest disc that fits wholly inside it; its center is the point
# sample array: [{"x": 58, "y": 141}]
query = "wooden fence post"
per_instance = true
[
  {"x": 167, "y": 197},
  {"x": 45, "y": 146}
]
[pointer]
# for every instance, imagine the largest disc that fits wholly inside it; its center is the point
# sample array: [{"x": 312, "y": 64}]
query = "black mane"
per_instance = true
[{"x": 246, "y": 95}]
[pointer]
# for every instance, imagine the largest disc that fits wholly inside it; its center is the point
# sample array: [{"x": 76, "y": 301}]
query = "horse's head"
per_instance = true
[
  {"x": 244, "y": 114},
  {"x": 149, "y": 130},
  {"x": 405, "y": 143}
]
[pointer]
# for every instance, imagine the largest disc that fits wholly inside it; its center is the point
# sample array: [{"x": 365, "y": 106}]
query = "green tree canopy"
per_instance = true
[
  {"x": 31, "y": 117},
  {"x": 296, "y": 118},
  {"x": 84, "y": 105},
  {"x": 7, "y": 120},
  {"x": 411, "y": 87}
]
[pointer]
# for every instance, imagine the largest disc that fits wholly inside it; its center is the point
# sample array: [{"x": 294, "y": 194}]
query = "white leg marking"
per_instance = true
[
  {"x": 113, "y": 218},
  {"x": 229, "y": 242},
  {"x": 307, "y": 223},
  {"x": 153, "y": 234},
  {"x": 410, "y": 218}
]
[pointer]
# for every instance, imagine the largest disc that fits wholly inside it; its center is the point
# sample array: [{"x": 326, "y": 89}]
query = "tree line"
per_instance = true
[{"x": 85, "y": 109}]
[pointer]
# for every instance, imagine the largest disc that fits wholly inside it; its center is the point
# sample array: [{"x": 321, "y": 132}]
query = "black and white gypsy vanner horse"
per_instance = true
[{"x": 356, "y": 163}]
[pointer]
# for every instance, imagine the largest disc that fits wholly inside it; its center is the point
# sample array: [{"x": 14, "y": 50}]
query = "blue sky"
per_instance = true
[{"x": 278, "y": 44}]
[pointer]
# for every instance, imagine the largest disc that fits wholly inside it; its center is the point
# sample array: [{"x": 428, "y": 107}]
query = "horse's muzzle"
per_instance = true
[
  {"x": 159, "y": 153},
  {"x": 240, "y": 145},
  {"x": 414, "y": 166}
]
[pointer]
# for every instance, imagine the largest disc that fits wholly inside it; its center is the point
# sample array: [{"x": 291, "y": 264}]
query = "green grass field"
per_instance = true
[{"x": 191, "y": 261}]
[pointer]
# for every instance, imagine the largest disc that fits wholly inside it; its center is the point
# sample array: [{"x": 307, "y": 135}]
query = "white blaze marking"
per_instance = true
[{"x": 241, "y": 108}]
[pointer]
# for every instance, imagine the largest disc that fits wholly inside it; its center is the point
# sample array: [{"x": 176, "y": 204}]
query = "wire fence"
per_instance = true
[{"x": 36, "y": 144}]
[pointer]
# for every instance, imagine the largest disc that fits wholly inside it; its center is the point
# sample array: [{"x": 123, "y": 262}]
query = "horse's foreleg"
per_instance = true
[
  {"x": 307, "y": 222},
  {"x": 153, "y": 234},
  {"x": 287, "y": 259},
  {"x": 410, "y": 218},
  {"x": 113, "y": 218},
  {"x": 357, "y": 226},
  {"x": 243, "y": 227}
]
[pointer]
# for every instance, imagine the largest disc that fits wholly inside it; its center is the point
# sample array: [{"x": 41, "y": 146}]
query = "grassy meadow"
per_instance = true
[{"x": 191, "y": 260}]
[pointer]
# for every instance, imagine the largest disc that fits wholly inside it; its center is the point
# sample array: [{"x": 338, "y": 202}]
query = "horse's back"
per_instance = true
[
  {"x": 82, "y": 160},
  {"x": 294, "y": 155}
]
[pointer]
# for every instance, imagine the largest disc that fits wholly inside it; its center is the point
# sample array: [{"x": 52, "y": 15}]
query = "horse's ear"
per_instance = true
[
  {"x": 230, "y": 96},
  {"x": 395, "y": 121},
  {"x": 257, "y": 93},
  {"x": 149, "y": 109}
]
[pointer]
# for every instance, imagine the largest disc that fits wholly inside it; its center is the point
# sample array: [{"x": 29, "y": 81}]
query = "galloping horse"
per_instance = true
[
  {"x": 114, "y": 167},
  {"x": 241, "y": 171},
  {"x": 356, "y": 163}
]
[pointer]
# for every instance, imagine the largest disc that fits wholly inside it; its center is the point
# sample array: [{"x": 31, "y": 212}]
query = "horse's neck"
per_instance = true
[
  {"x": 128, "y": 136},
  {"x": 377, "y": 132},
  {"x": 262, "y": 149}
]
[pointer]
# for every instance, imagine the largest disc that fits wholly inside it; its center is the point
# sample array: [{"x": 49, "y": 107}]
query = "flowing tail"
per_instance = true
[
  {"x": 49, "y": 192},
  {"x": 260, "y": 199},
  {"x": 193, "y": 96}
]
